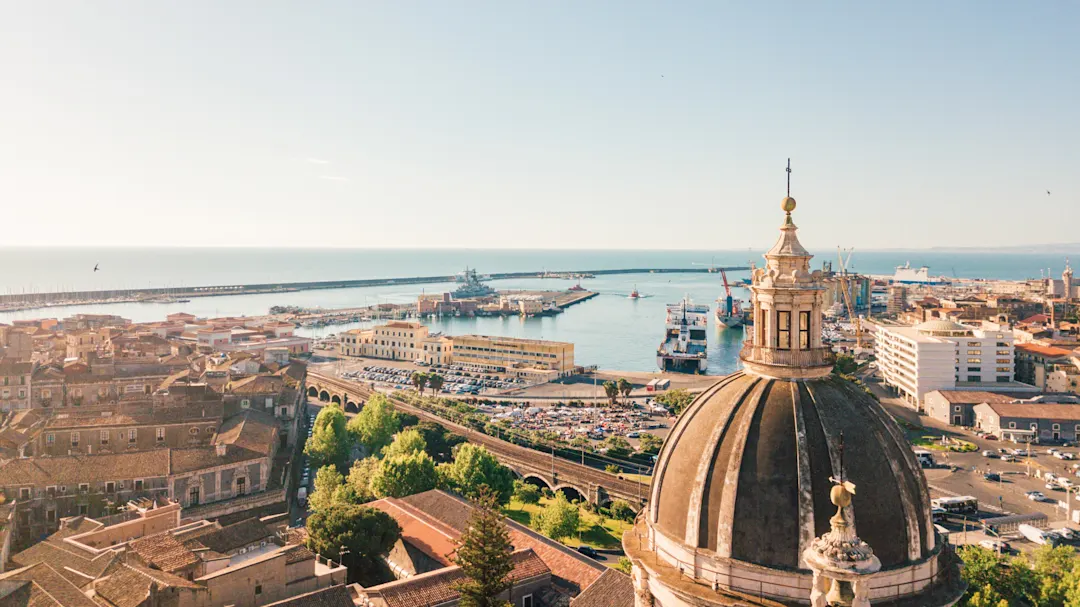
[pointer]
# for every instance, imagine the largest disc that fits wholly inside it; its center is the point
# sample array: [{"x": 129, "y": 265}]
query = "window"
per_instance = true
[
  {"x": 193, "y": 431},
  {"x": 22, "y": 393},
  {"x": 50, "y": 439},
  {"x": 269, "y": 402},
  {"x": 974, "y": 352},
  {"x": 974, "y": 369},
  {"x": 210, "y": 430},
  {"x": 1004, "y": 379},
  {"x": 974, "y": 378},
  {"x": 138, "y": 484},
  {"x": 974, "y": 361},
  {"x": 160, "y": 432},
  {"x": 974, "y": 344},
  {"x": 241, "y": 486},
  {"x": 24, "y": 493},
  {"x": 258, "y": 589},
  {"x": 50, "y": 515},
  {"x": 527, "y": 601},
  {"x": 1004, "y": 361},
  {"x": 1057, "y": 426},
  {"x": 110, "y": 487},
  {"x": 104, "y": 437},
  {"x": 1002, "y": 352},
  {"x": 74, "y": 439},
  {"x": 63, "y": 490},
  {"x": 193, "y": 496},
  {"x": 84, "y": 509},
  {"x": 804, "y": 330},
  {"x": 50, "y": 491},
  {"x": 84, "y": 487},
  {"x": 1012, "y": 425},
  {"x": 958, "y": 408},
  {"x": 131, "y": 436},
  {"x": 783, "y": 330}
]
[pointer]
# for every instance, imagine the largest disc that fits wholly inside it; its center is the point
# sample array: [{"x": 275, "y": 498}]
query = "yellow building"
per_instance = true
[
  {"x": 397, "y": 341},
  {"x": 516, "y": 356}
]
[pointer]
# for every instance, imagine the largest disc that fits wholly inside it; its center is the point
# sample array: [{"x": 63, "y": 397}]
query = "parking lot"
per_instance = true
[{"x": 397, "y": 375}]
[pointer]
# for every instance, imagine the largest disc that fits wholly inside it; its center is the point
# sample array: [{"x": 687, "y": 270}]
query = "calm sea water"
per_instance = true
[{"x": 610, "y": 330}]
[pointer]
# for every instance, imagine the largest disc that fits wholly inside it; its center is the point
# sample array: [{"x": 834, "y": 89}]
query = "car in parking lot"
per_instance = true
[
  {"x": 1035, "y": 496},
  {"x": 989, "y": 453},
  {"x": 993, "y": 477},
  {"x": 996, "y": 545},
  {"x": 1064, "y": 455},
  {"x": 1008, "y": 458}
]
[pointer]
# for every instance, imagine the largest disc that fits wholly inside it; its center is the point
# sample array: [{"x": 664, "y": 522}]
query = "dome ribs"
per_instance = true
[
  {"x": 806, "y": 478},
  {"x": 766, "y": 518},
  {"x": 731, "y": 453},
  {"x": 681, "y": 427},
  {"x": 696, "y": 527}
]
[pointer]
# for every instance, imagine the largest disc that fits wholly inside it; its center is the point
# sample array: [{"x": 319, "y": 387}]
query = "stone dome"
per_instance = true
[
  {"x": 943, "y": 327},
  {"x": 745, "y": 473}
]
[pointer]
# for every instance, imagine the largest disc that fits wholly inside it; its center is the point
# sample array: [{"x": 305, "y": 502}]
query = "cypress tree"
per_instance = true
[{"x": 483, "y": 553}]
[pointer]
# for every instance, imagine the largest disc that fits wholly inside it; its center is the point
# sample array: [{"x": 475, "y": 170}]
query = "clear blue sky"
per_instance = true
[{"x": 563, "y": 124}]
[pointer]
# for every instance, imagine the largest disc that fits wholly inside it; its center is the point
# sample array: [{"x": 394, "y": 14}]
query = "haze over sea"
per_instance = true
[{"x": 611, "y": 331}]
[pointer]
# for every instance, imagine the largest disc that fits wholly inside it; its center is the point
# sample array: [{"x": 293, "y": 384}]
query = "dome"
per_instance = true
[
  {"x": 943, "y": 327},
  {"x": 745, "y": 473}
]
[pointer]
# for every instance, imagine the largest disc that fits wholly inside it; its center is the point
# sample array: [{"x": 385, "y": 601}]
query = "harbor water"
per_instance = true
[{"x": 612, "y": 330}]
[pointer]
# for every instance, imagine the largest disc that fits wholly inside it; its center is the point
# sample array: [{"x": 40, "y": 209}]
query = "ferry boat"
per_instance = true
[
  {"x": 471, "y": 286},
  {"x": 907, "y": 275},
  {"x": 684, "y": 349}
]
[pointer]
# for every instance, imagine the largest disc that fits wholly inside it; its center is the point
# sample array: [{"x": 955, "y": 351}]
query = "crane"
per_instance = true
[
  {"x": 729, "y": 302},
  {"x": 844, "y": 287}
]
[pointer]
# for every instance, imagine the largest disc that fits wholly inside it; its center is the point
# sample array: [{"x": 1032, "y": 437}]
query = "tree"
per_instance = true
[
  {"x": 1012, "y": 578},
  {"x": 617, "y": 446},
  {"x": 845, "y": 365},
  {"x": 357, "y": 486},
  {"x": 329, "y": 442},
  {"x": 436, "y": 382},
  {"x": 611, "y": 389},
  {"x": 474, "y": 467},
  {"x": 440, "y": 442},
  {"x": 676, "y": 400},
  {"x": 420, "y": 381},
  {"x": 612, "y": 469},
  {"x": 651, "y": 444},
  {"x": 406, "y": 442},
  {"x": 375, "y": 425},
  {"x": 625, "y": 387},
  {"x": 483, "y": 553},
  {"x": 580, "y": 442},
  {"x": 366, "y": 534},
  {"x": 986, "y": 597},
  {"x": 526, "y": 493},
  {"x": 404, "y": 475},
  {"x": 559, "y": 519},
  {"x": 328, "y": 483},
  {"x": 626, "y": 565},
  {"x": 621, "y": 509},
  {"x": 1053, "y": 566}
]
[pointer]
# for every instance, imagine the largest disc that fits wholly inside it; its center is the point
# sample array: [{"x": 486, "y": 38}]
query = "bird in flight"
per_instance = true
[
  {"x": 1047, "y": 192},
  {"x": 95, "y": 267}
]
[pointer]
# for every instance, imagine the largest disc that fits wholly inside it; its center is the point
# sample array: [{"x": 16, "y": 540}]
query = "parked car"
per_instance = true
[
  {"x": 1067, "y": 533},
  {"x": 1008, "y": 458},
  {"x": 999, "y": 546},
  {"x": 588, "y": 551},
  {"x": 1035, "y": 496},
  {"x": 993, "y": 477},
  {"x": 989, "y": 453},
  {"x": 990, "y": 437}
]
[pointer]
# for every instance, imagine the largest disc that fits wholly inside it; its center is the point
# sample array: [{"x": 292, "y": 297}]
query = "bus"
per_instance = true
[{"x": 964, "y": 504}]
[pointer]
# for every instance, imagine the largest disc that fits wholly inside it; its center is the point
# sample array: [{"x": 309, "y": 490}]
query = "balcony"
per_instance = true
[{"x": 814, "y": 357}]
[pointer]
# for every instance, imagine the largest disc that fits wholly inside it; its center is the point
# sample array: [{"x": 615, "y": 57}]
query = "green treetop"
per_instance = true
[
  {"x": 404, "y": 475},
  {"x": 483, "y": 553},
  {"x": 329, "y": 443},
  {"x": 474, "y": 467},
  {"x": 406, "y": 442},
  {"x": 375, "y": 425},
  {"x": 366, "y": 534},
  {"x": 559, "y": 519}
]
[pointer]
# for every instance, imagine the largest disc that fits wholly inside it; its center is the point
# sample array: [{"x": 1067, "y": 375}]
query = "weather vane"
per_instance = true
[{"x": 839, "y": 480}]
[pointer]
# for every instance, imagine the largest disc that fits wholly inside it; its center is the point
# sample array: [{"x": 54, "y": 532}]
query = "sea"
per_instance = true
[{"x": 611, "y": 330}]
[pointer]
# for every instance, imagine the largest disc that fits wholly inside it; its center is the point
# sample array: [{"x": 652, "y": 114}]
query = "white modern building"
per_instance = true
[{"x": 943, "y": 355}]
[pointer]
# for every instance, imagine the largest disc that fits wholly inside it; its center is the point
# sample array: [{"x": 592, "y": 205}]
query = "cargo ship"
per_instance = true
[
  {"x": 684, "y": 349},
  {"x": 729, "y": 312}
]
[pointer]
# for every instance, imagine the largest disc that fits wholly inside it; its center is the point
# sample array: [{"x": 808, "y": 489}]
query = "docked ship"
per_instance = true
[
  {"x": 684, "y": 349},
  {"x": 907, "y": 275},
  {"x": 729, "y": 312},
  {"x": 471, "y": 286}
]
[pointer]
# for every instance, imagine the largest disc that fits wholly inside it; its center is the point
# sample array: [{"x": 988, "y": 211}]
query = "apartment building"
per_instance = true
[
  {"x": 15, "y": 384},
  {"x": 943, "y": 355},
  {"x": 513, "y": 355}
]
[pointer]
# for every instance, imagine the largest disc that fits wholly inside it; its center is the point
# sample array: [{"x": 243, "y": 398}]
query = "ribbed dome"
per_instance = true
[
  {"x": 745, "y": 472},
  {"x": 943, "y": 327}
]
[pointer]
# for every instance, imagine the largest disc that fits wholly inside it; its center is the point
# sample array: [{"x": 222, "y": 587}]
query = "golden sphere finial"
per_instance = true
[
  {"x": 788, "y": 204},
  {"x": 840, "y": 496}
]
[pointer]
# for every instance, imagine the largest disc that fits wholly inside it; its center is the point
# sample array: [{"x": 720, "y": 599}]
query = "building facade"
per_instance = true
[
  {"x": 942, "y": 355},
  {"x": 1037, "y": 422}
]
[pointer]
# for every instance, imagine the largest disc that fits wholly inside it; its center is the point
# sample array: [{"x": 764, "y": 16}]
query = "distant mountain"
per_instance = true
[{"x": 1041, "y": 249}]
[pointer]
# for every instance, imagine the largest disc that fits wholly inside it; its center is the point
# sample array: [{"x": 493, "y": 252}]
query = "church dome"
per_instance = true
[
  {"x": 745, "y": 473},
  {"x": 943, "y": 328}
]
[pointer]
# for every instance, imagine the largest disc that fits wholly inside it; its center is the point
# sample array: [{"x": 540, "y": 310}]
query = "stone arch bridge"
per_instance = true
[{"x": 558, "y": 474}]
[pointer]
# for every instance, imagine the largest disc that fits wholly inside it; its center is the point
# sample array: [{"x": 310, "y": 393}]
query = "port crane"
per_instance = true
[
  {"x": 729, "y": 301},
  {"x": 845, "y": 286}
]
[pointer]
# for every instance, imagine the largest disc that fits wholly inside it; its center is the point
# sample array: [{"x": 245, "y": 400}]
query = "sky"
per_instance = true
[{"x": 559, "y": 124}]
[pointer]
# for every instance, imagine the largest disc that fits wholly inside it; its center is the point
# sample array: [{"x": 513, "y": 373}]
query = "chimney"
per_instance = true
[{"x": 220, "y": 447}]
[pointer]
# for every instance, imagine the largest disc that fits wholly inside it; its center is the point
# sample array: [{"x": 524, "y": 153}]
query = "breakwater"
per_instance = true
[{"x": 13, "y": 301}]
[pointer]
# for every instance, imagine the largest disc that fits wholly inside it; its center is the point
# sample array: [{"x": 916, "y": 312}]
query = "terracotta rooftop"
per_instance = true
[
  {"x": 1047, "y": 351},
  {"x": 45, "y": 587},
  {"x": 164, "y": 552},
  {"x": 128, "y": 585},
  {"x": 976, "y": 397},
  {"x": 612, "y": 589},
  {"x": 437, "y": 587},
  {"x": 73, "y": 469},
  {"x": 1054, "y": 411},
  {"x": 334, "y": 596},
  {"x": 236, "y": 536}
]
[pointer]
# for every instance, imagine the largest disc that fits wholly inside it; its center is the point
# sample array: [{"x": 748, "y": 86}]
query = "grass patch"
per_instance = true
[
  {"x": 595, "y": 530},
  {"x": 641, "y": 478},
  {"x": 934, "y": 443}
]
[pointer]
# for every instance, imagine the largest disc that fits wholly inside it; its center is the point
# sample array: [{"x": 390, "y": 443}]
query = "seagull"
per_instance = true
[
  {"x": 1047, "y": 192},
  {"x": 95, "y": 267}
]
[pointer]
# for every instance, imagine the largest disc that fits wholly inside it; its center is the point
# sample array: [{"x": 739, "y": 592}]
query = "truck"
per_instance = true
[{"x": 1038, "y": 536}]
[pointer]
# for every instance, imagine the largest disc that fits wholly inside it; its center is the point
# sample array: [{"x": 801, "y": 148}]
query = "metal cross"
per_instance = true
[{"x": 788, "y": 177}]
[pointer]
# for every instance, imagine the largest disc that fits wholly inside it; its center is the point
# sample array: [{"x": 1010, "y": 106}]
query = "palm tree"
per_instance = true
[
  {"x": 419, "y": 380},
  {"x": 435, "y": 381},
  {"x": 612, "y": 391},
  {"x": 625, "y": 387}
]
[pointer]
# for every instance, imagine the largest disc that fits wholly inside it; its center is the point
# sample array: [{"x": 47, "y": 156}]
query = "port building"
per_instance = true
[{"x": 945, "y": 355}]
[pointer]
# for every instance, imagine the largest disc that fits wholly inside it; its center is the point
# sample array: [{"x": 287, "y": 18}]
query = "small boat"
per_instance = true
[
  {"x": 634, "y": 294},
  {"x": 577, "y": 287}
]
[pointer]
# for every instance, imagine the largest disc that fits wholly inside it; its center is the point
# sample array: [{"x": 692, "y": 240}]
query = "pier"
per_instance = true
[{"x": 15, "y": 301}]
